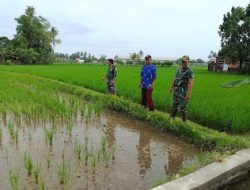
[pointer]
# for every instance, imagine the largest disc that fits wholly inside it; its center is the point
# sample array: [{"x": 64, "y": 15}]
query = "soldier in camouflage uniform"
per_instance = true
[
  {"x": 182, "y": 87},
  {"x": 111, "y": 76}
]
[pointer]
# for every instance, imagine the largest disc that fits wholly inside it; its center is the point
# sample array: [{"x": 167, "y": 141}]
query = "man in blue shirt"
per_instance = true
[{"x": 148, "y": 76}]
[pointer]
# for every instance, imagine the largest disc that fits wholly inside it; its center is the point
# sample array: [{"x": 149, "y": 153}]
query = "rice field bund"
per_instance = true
[{"x": 51, "y": 139}]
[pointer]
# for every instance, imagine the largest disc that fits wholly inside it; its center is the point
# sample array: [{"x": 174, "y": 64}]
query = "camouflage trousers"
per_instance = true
[
  {"x": 179, "y": 100},
  {"x": 111, "y": 87}
]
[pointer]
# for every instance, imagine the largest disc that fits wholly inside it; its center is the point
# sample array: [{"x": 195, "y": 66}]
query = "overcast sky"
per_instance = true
[{"x": 162, "y": 28}]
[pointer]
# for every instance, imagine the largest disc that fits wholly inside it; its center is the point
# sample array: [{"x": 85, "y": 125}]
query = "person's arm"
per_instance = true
[
  {"x": 153, "y": 78},
  {"x": 190, "y": 86}
]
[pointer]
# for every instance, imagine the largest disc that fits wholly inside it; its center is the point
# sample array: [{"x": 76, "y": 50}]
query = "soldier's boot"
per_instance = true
[{"x": 184, "y": 116}]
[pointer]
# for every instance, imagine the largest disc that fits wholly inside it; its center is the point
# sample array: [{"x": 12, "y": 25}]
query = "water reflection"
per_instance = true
[{"x": 143, "y": 155}]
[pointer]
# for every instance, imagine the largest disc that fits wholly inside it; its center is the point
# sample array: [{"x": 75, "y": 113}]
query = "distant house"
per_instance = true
[
  {"x": 220, "y": 64},
  {"x": 80, "y": 60},
  {"x": 126, "y": 58}
]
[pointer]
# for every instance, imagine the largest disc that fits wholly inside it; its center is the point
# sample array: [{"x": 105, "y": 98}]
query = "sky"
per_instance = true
[{"x": 162, "y": 28}]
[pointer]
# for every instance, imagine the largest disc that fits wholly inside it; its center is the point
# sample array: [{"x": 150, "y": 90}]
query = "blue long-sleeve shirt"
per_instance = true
[{"x": 148, "y": 75}]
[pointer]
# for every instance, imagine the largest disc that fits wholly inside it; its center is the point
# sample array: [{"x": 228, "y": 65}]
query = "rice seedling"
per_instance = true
[
  {"x": 49, "y": 135},
  {"x": 11, "y": 130},
  {"x": 28, "y": 163},
  {"x": 86, "y": 157},
  {"x": 78, "y": 150},
  {"x": 103, "y": 144},
  {"x": 42, "y": 185},
  {"x": 37, "y": 172},
  {"x": 14, "y": 178},
  {"x": 63, "y": 173},
  {"x": 69, "y": 129},
  {"x": 49, "y": 159},
  {"x": 16, "y": 135},
  {"x": 93, "y": 163}
]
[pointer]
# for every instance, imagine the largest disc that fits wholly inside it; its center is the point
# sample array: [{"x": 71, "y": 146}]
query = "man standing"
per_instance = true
[
  {"x": 182, "y": 87},
  {"x": 111, "y": 76},
  {"x": 148, "y": 76}
]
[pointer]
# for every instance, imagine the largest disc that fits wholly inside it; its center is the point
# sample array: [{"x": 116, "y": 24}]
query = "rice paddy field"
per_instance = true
[
  {"x": 211, "y": 105},
  {"x": 50, "y": 139}
]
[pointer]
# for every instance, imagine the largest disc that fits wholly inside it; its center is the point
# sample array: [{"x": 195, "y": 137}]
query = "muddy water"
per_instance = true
[{"x": 139, "y": 155}]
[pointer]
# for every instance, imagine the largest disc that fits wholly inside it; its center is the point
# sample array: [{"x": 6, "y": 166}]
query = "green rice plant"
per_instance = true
[
  {"x": 106, "y": 157},
  {"x": 11, "y": 130},
  {"x": 49, "y": 135},
  {"x": 86, "y": 157},
  {"x": 42, "y": 185},
  {"x": 37, "y": 172},
  {"x": 63, "y": 172},
  {"x": 86, "y": 151},
  {"x": 99, "y": 154},
  {"x": 69, "y": 129},
  {"x": 93, "y": 163},
  {"x": 16, "y": 135},
  {"x": 103, "y": 144},
  {"x": 28, "y": 163},
  {"x": 49, "y": 159},
  {"x": 14, "y": 178},
  {"x": 78, "y": 150}
]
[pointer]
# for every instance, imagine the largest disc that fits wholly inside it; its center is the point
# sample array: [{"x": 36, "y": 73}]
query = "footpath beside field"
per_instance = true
[{"x": 214, "y": 176}]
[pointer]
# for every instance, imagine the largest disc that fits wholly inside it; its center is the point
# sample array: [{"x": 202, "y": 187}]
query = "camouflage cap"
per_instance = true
[{"x": 185, "y": 58}]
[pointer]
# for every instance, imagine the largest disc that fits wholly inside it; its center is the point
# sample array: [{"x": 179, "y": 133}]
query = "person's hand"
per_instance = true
[
  {"x": 152, "y": 87},
  {"x": 139, "y": 85},
  {"x": 187, "y": 97}
]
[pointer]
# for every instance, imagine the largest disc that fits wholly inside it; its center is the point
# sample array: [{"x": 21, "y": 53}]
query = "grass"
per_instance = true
[{"x": 210, "y": 105}]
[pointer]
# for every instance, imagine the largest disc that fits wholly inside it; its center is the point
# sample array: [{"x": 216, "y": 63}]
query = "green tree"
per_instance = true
[
  {"x": 235, "y": 34},
  {"x": 6, "y": 49},
  {"x": 39, "y": 34}
]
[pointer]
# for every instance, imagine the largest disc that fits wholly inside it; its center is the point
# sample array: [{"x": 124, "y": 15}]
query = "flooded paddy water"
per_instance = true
[{"x": 110, "y": 151}]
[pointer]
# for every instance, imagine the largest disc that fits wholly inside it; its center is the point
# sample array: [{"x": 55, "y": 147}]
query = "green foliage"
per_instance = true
[
  {"x": 235, "y": 34},
  {"x": 33, "y": 41}
]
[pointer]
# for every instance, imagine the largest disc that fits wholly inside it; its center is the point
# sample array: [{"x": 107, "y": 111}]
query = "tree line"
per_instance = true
[{"x": 33, "y": 42}]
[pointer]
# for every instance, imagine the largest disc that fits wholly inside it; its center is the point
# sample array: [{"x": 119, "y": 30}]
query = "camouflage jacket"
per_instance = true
[{"x": 181, "y": 80}]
